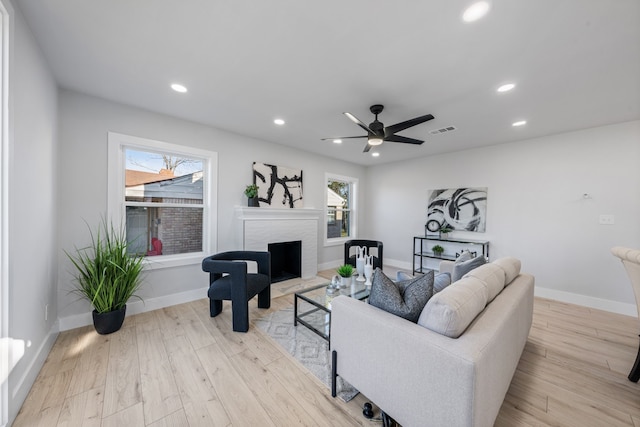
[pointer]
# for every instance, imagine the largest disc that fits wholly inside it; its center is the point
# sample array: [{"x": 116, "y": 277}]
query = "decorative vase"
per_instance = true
[
  {"x": 345, "y": 281},
  {"x": 362, "y": 252},
  {"x": 368, "y": 269},
  {"x": 107, "y": 323},
  {"x": 253, "y": 202}
]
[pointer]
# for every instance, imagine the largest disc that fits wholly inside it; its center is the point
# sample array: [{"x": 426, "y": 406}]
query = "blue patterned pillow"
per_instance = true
[{"x": 406, "y": 298}]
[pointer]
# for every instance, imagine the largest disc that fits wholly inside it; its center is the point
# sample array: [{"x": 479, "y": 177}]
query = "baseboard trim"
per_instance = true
[
  {"x": 136, "y": 307},
  {"x": 587, "y": 301},
  {"x": 23, "y": 386}
]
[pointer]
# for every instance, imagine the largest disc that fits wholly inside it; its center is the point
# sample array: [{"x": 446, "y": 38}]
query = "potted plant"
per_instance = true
[
  {"x": 445, "y": 230},
  {"x": 107, "y": 276},
  {"x": 437, "y": 250},
  {"x": 252, "y": 193},
  {"x": 345, "y": 272}
]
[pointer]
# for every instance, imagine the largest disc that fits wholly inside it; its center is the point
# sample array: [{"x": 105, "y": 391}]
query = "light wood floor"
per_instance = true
[{"x": 179, "y": 367}]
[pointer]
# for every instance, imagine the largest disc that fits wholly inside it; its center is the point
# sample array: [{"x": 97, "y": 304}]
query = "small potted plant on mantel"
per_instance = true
[
  {"x": 107, "y": 276},
  {"x": 252, "y": 194},
  {"x": 345, "y": 272},
  {"x": 437, "y": 250}
]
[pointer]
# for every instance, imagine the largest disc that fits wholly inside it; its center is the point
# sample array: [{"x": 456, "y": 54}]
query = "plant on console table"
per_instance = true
[
  {"x": 107, "y": 276},
  {"x": 252, "y": 194},
  {"x": 437, "y": 250},
  {"x": 445, "y": 230},
  {"x": 345, "y": 272}
]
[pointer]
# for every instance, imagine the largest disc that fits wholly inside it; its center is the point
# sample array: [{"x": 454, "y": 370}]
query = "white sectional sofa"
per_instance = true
[{"x": 452, "y": 368}]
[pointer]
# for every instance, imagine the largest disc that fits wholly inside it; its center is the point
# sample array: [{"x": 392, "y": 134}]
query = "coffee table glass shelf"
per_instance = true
[{"x": 312, "y": 306}]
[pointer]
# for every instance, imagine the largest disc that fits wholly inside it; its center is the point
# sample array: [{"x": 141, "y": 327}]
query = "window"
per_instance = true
[
  {"x": 164, "y": 195},
  {"x": 340, "y": 210}
]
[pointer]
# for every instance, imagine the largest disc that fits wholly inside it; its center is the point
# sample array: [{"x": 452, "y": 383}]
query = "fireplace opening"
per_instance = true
[{"x": 286, "y": 260}]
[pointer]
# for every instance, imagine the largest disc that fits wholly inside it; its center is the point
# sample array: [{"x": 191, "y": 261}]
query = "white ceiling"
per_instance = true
[{"x": 576, "y": 64}]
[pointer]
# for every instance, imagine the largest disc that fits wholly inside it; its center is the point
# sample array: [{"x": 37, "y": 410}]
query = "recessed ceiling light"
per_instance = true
[
  {"x": 178, "y": 88},
  {"x": 375, "y": 154},
  {"x": 475, "y": 11},
  {"x": 279, "y": 122},
  {"x": 506, "y": 87},
  {"x": 519, "y": 123},
  {"x": 337, "y": 141}
]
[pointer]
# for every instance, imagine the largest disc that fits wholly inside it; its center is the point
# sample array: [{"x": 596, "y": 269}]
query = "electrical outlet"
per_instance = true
[
  {"x": 46, "y": 312},
  {"x": 607, "y": 219}
]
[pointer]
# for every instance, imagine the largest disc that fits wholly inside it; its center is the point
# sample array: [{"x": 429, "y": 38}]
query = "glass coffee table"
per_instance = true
[{"x": 312, "y": 306}]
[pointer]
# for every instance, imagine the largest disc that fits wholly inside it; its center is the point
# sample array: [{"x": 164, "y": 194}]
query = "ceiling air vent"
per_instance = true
[{"x": 443, "y": 130}]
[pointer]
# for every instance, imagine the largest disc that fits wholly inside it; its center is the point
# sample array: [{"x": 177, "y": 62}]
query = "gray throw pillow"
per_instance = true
[
  {"x": 462, "y": 268},
  {"x": 441, "y": 281},
  {"x": 464, "y": 256},
  {"x": 406, "y": 298},
  {"x": 402, "y": 275}
]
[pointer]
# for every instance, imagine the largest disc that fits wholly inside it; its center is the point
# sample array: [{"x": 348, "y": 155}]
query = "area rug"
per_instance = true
[{"x": 309, "y": 349}]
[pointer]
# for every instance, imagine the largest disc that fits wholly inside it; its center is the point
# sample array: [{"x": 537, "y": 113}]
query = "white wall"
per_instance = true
[
  {"x": 32, "y": 209},
  {"x": 536, "y": 210},
  {"x": 84, "y": 123}
]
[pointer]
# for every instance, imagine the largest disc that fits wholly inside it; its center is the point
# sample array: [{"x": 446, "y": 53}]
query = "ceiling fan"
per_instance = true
[{"x": 377, "y": 132}]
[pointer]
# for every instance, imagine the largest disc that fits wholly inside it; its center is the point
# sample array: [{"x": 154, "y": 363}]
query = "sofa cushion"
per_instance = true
[
  {"x": 511, "y": 267},
  {"x": 405, "y": 298},
  {"x": 493, "y": 276},
  {"x": 460, "y": 268},
  {"x": 452, "y": 310}
]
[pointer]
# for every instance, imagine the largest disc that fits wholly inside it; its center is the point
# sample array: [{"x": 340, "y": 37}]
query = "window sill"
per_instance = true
[
  {"x": 168, "y": 261},
  {"x": 337, "y": 242}
]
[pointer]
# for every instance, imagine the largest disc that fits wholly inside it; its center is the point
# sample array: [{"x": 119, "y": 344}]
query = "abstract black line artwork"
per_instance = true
[
  {"x": 278, "y": 186},
  {"x": 459, "y": 208}
]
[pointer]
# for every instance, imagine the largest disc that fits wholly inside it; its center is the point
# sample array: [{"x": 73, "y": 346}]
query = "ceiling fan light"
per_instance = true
[
  {"x": 475, "y": 11},
  {"x": 375, "y": 140}
]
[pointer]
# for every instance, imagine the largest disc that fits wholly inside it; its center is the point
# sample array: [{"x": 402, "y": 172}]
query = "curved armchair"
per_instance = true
[
  {"x": 351, "y": 259},
  {"x": 631, "y": 261},
  {"x": 229, "y": 280}
]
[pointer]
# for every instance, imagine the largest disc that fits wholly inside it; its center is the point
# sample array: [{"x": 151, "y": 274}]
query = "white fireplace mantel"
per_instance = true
[{"x": 257, "y": 227}]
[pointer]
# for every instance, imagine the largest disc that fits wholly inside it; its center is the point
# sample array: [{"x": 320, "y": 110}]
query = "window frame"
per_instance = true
[
  {"x": 353, "y": 209},
  {"x": 116, "y": 206}
]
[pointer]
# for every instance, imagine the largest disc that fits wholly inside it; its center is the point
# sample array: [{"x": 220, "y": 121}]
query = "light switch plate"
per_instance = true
[{"x": 607, "y": 219}]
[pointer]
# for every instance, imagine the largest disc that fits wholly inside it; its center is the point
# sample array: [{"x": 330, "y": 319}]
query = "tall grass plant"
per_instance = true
[{"x": 106, "y": 274}]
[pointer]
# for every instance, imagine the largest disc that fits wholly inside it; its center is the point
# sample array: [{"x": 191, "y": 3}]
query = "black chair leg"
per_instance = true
[
  {"x": 215, "y": 307},
  {"x": 634, "y": 375},
  {"x": 334, "y": 372},
  {"x": 240, "y": 314},
  {"x": 264, "y": 298}
]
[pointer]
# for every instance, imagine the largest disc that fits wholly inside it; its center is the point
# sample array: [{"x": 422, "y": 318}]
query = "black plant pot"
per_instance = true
[
  {"x": 253, "y": 202},
  {"x": 107, "y": 323}
]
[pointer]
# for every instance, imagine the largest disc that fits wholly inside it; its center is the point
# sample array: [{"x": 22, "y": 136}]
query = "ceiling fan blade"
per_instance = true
[
  {"x": 398, "y": 138},
  {"x": 367, "y": 148},
  {"x": 343, "y": 137},
  {"x": 359, "y": 122},
  {"x": 407, "y": 124}
]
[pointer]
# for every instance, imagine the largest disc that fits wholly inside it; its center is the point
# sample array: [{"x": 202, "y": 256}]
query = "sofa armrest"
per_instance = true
[{"x": 446, "y": 267}]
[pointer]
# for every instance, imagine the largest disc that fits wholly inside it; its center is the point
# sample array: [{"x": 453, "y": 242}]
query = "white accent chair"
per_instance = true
[{"x": 631, "y": 261}]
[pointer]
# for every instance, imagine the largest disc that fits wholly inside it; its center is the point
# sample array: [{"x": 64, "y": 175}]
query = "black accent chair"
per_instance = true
[
  {"x": 351, "y": 259},
  {"x": 229, "y": 280}
]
